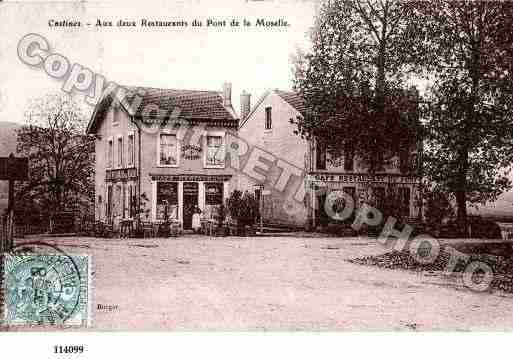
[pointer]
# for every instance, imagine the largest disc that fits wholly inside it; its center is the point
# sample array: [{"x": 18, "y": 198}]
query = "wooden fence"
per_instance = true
[{"x": 3, "y": 234}]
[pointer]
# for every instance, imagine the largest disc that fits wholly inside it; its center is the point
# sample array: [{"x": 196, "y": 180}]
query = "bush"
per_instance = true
[{"x": 243, "y": 208}]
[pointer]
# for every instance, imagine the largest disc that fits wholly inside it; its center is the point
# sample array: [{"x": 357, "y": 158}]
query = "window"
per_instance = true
[
  {"x": 118, "y": 205},
  {"x": 130, "y": 201},
  {"x": 214, "y": 193},
  {"x": 110, "y": 152},
  {"x": 348, "y": 157},
  {"x": 404, "y": 197},
  {"x": 379, "y": 196},
  {"x": 320, "y": 212},
  {"x": 167, "y": 200},
  {"x": 131, "y": 149},
  {"x": 215, "y": 151},
  {"x": 168, "y": 150},
  {"x": 120, "y": 152},
  {"x": 380, "y": 161},
  {"x": 268, "y": 118},
  {"x": 123, "y": 211},
  {"x": 109, "y": 202},
  {"x": 320, "y": 160},
  {"x": 404, "y": 160}
]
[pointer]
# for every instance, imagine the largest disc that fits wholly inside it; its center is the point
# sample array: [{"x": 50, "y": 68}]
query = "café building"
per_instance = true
[{"x": 161, "y": 153}]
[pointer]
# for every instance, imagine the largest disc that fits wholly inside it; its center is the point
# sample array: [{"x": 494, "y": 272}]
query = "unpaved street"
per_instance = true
[{"x": 271, "y": 283}]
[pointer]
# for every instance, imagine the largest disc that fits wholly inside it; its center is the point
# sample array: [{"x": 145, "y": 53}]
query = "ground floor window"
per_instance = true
[
  {"x": 321, "y": 215},
  {"x": 132, "y": 201},
  {"x": 167, "y": 200},
  {"x": 379, "y": 197},
  {"x": 214, "y": 193},
  {"x": 180, "y": 200},
  {"x": 118, "y": 204},
  {"x": 214, "y": 197}
]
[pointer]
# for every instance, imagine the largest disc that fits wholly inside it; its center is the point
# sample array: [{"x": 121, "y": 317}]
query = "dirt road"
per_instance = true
[{"x": 271, "y": 283}]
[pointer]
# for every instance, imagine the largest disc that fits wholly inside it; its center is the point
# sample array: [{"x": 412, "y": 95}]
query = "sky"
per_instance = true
[{"x": 252, "y": 59}]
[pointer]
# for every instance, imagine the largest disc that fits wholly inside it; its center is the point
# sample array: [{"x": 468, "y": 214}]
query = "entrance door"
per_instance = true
[{"x": 190, "y": 200}]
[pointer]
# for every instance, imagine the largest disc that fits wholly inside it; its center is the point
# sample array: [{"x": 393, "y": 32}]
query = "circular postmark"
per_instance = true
[{"x": 43, "y": 288}]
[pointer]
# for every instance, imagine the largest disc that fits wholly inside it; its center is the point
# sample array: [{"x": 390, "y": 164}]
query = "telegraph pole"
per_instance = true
[
  {"x": 10, "y": 205},
  {"x": 12, "y": 169}
]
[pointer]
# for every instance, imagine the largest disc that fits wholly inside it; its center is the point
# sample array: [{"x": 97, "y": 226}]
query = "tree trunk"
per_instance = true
[
  {"x": 376, "y": 157},
  {"x": 461, "y": 194}
]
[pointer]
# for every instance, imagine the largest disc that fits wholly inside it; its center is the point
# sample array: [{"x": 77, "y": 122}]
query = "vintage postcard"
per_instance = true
[{"x": 292, "y": 165}]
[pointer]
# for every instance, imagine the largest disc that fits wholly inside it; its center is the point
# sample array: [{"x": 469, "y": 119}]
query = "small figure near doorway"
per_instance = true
[{"x": 196, "y": 219}]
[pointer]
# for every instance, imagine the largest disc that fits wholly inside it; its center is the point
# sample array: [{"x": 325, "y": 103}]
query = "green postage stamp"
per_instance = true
[{"x": 46, "y": 289}]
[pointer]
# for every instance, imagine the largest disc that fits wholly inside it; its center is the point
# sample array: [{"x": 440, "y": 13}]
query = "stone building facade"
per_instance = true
[{"x": 162, "y": 152}]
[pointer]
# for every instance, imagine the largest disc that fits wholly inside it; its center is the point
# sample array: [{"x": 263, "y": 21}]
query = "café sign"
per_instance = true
[{"x": 362, "y": 178}]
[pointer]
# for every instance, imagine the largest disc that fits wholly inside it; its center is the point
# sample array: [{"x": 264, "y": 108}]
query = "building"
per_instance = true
[
  {"x": 397, "y": 182},
  {"x": 160, "y": 152},
  {"x": 267, "y": 125}
]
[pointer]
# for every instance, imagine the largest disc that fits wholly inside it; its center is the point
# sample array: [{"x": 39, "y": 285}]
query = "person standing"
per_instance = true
[{"x": 196, "y": 219}]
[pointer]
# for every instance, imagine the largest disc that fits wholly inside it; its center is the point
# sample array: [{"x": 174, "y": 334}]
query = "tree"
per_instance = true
[
  {"x": 353, "y": 80},
  {"x": 60, "y": 155},
  {"x": 467, "y": 48}
]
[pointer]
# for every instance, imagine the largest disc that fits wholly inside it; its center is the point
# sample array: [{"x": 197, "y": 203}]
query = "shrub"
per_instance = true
[{"x": 243, "y": 208}]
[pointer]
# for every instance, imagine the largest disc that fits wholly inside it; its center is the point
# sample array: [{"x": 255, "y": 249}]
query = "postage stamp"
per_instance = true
[{"x": 46, "y": 289}]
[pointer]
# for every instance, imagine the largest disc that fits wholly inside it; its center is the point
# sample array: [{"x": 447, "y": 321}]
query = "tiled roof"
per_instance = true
[
  {"x": 293, "y": 99},
  {"x": 193, "y": 105}
]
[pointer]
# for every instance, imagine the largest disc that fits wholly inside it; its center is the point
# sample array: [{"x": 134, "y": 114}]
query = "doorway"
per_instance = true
[{"x": 190, "y": 200}]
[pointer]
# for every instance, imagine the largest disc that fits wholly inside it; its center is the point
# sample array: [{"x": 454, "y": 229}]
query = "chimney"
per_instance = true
[
  {"x": 245, "y": 104},
  {"x": 227, "y": 94}
]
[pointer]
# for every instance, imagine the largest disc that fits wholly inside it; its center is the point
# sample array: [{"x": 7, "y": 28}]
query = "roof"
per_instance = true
[
  {"x": 290, "y": 97},
  {"x": 155, "y": 103},
  {"x": 293, "y": 99}
]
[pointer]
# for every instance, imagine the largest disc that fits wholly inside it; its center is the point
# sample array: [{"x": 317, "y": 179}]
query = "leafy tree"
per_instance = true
[
  {"x": 60, "y": 155},
  {"x": 353, "y": 80},
  {"x": 466, "y": 47}
]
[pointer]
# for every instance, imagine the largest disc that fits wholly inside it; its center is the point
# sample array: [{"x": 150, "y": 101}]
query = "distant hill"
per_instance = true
[
  {"x": 7, "y": 146},
  {"x": 8, "y": 137},
  {"x": 501, "y": 209}
]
